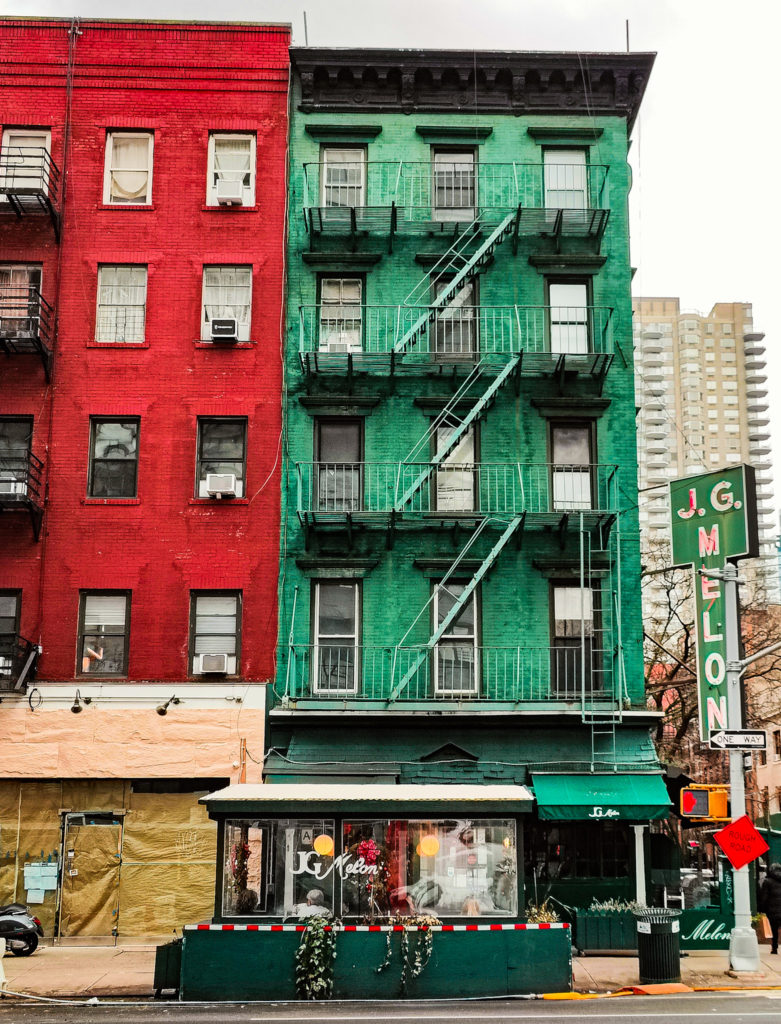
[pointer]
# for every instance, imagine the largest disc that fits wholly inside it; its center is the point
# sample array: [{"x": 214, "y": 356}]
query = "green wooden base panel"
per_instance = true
[{"x": 258, "y": 966}]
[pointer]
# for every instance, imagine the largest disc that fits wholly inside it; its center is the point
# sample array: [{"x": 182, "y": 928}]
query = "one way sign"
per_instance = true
[{"x": 738, "y": 739}]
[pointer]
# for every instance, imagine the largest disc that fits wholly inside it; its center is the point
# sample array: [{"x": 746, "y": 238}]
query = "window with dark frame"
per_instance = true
[
  {"x": 222, "y": 450},
  {"x": 575, "y": 636},
  {"x": 338, "y": 469},
  {"x": 20, "y": 300},
  {"x": 571, "y": 447},
  {"x": 569, "y": 315},
  {"x": 10, "y": 615},
  {"x": 113, "y": 466},
  {"x": 336, "y": 627},
  {"x": 215, "y": 632},
  {"x": 456, "y": 654},
  {"x": 556, "y": 851},
  {"x": 104, "y": 632},
  {"x": 777, "y": 744},
  {"x": 16, "y": 435}
]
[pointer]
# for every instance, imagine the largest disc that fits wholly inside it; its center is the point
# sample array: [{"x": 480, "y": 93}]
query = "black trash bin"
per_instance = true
[{"x": 658, "y": 945}]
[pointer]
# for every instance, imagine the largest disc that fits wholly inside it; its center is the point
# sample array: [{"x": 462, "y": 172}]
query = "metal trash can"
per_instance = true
[{"x": 658, "y": 945}]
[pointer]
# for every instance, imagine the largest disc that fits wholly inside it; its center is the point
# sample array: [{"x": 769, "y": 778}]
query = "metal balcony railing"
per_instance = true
[
  {"x": 327, "y": 490},
  {"x": 422, "y": 193},
  {"x": 18, "y": 659},
  {"x": 452, "y": 671},
  {"x": 21, "y": 484},
  {"x": 456, "y": 333},
  {"x": 26, "y": 323},
  {"x": 29, "y": 181}
]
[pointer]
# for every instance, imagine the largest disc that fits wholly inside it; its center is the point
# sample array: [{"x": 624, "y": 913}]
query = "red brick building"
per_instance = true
[{"x": 142, "y": 209}]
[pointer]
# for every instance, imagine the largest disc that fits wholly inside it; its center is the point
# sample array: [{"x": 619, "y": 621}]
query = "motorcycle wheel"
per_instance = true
[{"x": 24, "y": 947}]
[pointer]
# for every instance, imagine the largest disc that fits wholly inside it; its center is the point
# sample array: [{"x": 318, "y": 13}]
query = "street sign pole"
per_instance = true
[{"x": 743, "y": 945}]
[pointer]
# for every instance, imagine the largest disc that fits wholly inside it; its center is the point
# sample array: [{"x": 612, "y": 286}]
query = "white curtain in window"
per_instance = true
[
  {"x": 233, "y": 160},
  {"x": 24, "y": 159},
  {"x": 121, "y": 304},
  {"x": 104, "y": 610},
  {"x": 215, "y": 625},
  {"x": 129, "y": 168},
  {"x": 227, "y": 295}
]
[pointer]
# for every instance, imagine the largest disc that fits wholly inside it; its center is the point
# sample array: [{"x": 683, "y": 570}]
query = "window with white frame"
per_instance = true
[
  {"x": 104, "y": 625},
  {"x": 215, "y": 630},
  {"x": 128, "y": 170},
  {"x": 455, "y": 476},
  {"x": 565, "y": 179},
  {"x": 26, "y": 160},
  {"x": 456, "y": 671},
  {"x": 343, "y": 176},
  {"x": 569, "y": 317},
  {"x": 20, "y": 300},
  {"x": 336, "y": 617},
  {"x": 227, "y": 296},
  {"x": 121, "y": 315},
  {"x": 231, "y": 169},
  {"x": 341, "y": 314},
  {"x": 453, "y": 188}
]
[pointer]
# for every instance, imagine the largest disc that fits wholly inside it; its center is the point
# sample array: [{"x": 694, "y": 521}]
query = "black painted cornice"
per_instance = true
[{"x": 352, "y": 80}]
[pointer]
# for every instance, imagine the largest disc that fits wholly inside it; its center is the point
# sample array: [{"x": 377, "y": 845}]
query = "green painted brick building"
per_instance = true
[{"x": 460, "y": 575}]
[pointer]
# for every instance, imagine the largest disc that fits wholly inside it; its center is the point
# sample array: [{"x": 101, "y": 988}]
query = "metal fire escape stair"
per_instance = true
[
  {"x": 463, "y": 265},
  {"x": 459, "y": 600}
]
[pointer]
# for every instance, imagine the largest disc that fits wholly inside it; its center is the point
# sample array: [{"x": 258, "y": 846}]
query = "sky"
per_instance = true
[{"x": 706, "y": 150}]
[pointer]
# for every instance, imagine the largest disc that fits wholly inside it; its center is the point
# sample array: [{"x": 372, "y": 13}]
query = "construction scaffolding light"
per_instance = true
[{"x": 705, "y": 803}]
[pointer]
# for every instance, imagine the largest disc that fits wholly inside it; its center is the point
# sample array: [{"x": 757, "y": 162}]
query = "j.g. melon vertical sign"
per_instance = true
[{"x": 714, "y": 520}]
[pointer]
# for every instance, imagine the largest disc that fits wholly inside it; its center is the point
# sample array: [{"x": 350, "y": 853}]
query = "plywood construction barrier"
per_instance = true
[{"x": 136, "y": 864}]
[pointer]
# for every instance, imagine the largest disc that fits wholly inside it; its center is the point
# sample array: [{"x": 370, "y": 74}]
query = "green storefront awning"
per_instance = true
[{"x": 600, "y": 797}]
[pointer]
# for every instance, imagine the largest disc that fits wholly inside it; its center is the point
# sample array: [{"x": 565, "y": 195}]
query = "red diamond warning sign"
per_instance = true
[{"x": 741, "y": 842}]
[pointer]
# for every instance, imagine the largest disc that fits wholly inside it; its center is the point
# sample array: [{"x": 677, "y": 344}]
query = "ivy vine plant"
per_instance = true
[{"x": 315, "y": 960}]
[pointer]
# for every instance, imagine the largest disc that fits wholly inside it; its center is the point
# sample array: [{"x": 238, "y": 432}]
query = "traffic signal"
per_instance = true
[{"x": 707, "y": 803}]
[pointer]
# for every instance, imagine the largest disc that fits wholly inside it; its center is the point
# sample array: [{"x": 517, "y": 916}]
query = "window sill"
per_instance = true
[
  {"x": 199, "y": 343},
  {"x": 219, "y": 501},
  {"x": 117, "y": 344},
  {"x": 126, "y": 206},
  {"x": 230, "y": 209},
  {"x": 111, "y": 501}
]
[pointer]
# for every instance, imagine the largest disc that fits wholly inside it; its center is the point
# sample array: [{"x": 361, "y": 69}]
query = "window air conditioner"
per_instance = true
[
  {"x": 230, "y": 193},
  {"x": 225, "y": 329},
  {"x": 211, "y": 663},
  {"x": 221, "y": 485},
  {"x": 13, "y": 487}
]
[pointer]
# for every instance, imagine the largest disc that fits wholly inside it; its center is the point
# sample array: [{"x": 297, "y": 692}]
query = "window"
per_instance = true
[
  {"x": 222, "y": 449},
  {"x": 565, "y": 179},
  {"x": 128, "y": 172},
  {"x": 121, "y": 304},
  {"x": 336, "y": 621},
  {"x": 455, "y": 476},
  {"x": 338, "y": 450},
  {"x": 777, "y": 744},
  {"x": 569, "y": 317},
  {"x": 215, "y": 632},
  {"x": 26, "y": 160},
  {"x": 572, "y": 466},
  {"x": 20, "y": 301},
  {"x": 574, "y": 665},
  {"x": 341, "y": 314},
  {"x": 456, "y": 651},
  {"x": 113, "y": 465},
  {"x": 231, "y": 160},
  {"x": 580, "y": 850},
  {"x": 10, "y": 610},
  {"x": 227, "y": 295},
  {"x": 104, "y": 628},
  {"x": 455, "y": 333},
  {"x": 343, "y": 176},
  {"x": 15, "y": 446},
  {"x": 453, "y": 186}
]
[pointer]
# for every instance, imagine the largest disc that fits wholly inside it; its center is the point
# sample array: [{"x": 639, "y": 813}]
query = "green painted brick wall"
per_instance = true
[{"x": 514, "y": 599}]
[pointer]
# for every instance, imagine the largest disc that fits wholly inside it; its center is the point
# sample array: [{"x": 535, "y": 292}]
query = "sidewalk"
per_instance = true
[{"x": 127, "y": 972}]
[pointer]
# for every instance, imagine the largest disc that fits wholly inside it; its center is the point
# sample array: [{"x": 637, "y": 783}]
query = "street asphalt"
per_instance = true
[{"x": 690, "y": 1008}]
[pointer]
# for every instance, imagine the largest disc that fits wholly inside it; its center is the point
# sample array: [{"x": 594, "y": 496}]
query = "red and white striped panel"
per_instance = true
[{"x": 375, "y": 927}]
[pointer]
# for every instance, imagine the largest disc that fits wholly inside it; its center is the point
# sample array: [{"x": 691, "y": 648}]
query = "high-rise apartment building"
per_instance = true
[
  {"x": 142, "y": 198},
  {"x": 701, "y": 388}
]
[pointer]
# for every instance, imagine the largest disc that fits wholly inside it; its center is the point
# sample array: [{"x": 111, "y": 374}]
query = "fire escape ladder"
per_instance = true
[
  {"x": 458, "y": 424},
  {"x": 463, "y": 265},
  {"x": 459, "y": 600}
]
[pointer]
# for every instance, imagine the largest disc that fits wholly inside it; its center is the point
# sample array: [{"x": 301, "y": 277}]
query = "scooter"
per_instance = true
[{"x": 20, "y": 929}]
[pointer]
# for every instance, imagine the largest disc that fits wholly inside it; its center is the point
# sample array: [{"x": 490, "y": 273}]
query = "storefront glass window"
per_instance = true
[
  {"x": 582, "y": 850},
  {"x": 463, "y": 868},
  {"x": 282, "y": 868}
]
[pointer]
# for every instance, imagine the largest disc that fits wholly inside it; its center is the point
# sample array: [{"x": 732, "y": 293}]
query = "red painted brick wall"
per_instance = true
[{"x": 180, "y": 81}]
